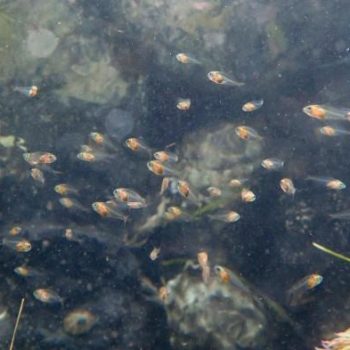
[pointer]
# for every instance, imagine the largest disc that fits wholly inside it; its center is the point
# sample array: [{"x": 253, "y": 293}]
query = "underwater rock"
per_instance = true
[
  {"x": 95, "y": 81},
  {"x": 209, "y": 157},
  {"x": 41, "y": 42},
  {"x": 214, "y": 157},
  {"x": 216, "y": 315}
]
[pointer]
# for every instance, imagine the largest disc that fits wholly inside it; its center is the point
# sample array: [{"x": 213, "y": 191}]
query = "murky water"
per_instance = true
[{"x": 203, "y": 247}]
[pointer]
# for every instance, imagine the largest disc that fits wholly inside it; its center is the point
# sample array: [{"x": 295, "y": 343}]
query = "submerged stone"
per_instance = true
[{"x": 41, "y": 42}]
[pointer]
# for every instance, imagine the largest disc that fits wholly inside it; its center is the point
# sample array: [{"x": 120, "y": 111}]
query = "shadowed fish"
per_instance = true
[
  {"x": 324, "y": 112},
  {"x": 186, "y": 59},
  {"x": 222, "y": 78},
  {"x": 298, "y": 293}
]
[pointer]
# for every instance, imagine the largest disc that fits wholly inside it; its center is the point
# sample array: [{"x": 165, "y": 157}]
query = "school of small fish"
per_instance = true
[{"x": 163, "y": 163}]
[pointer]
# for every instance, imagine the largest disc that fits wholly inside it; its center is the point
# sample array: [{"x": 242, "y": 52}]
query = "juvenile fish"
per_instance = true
[
  {"x": 214, "y": 192},
  {"x": 166, "y": 156},
  {"x": 253, "y": 105},
  {"x": 154, "y": 254},
  {"x": 183, "y": 104},
  {"x": 203, "y": 262},
  {"x": 272, "y": 164},
  {"x": 101, "y": 140},
  {"x": 109, "y": 209},
  {"x": 236, "y": 183},
  {"x": 247, "y": 133},
  {"x": 247, "y": 196},
  {"x": 158, "y": 168},
  {"x": 94, "y": 156},
  {"x": 297, "y": 294},
  {"x": 29, "y": 91},
  {"x": 287, "y": 186},
  {"x": 26, "y": 271},
  {"x": 20, "y": 245},
  {"x": 221, "y": 78},
  {"x": 137, "y": 145},
  {"x": 186, "y": 59},
  {"x": 15, "y": 230},
  {"x": 226, "y": 216},
  {"x": 323, "y": 112},
  {"x": 185, "y": 191},
  {"x": 65, "y": 189},
  {"x": 72, "y": 204},
  {"x": 333, "y": 132},
  {"x": 127, "y": 195},
  {"x": 47, "y": 296},
  {"x": 227, "y": 276},
  {"x": 37, "y": 175},
  {"x": 329, "y": 182},
  {"x": 36, "y": 158},
  {"x": 173, "y": 213}
]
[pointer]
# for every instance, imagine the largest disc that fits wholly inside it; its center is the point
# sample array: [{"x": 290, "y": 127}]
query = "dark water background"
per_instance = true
[{"x": 113, "y": 70}]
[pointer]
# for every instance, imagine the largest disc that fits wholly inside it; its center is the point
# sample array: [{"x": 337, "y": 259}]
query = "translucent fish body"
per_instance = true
[
  {"x": 247, "y": 196},
  {"x": 65, "y": 189},
  {"x": 18, "y": 244},
  {"x": 37, "y": 175},
  {"x": 226, "y": 216},
  {"x": 236, "y": 183},
  {"x": 36, "y": 158},
  {"x": 101, "y": 140},
  {"x": 328, "y": 182},
  {"x": 297, "y": 293},
  {"x": 94, "y": 156},
  {"x": 173, "y": 213},
  {"x": 272, "y": 163},
  {"x": 253, "y": 105},
  {"x": 109, "y": 209},
  {"x": 247, "y": 133},
  {"x": 333, "y": 132},
  {"x": 287, "y": 186},
  {"x": 47, "y": 296},
  {"x": 72, "y": 204},
  {"x": 227, "y": 276},
  {"x": 324, "y": 112},
  {"x": 137, "y": 145},
  {"x": 166, "y": 156},
  {"x": 26, "y": 271},
  {"x": 158, "y": 168},
  {"x": 29, "y": 91},
  {"x": 214, "y": 192},
  {"x": 221, "y": 78},
  {"x": 186, "y": 59},
  {"x": 127, "y": 195},
  {"x": 183, "y": 104}
]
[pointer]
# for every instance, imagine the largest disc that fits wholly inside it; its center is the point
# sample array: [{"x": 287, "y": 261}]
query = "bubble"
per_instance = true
[{"x": 119, "y": 124}]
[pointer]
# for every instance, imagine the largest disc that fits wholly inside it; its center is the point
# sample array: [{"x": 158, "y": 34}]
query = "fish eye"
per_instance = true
[
  {"x": 217, "y": 268},
  {"x": 82, "y": 321}
]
